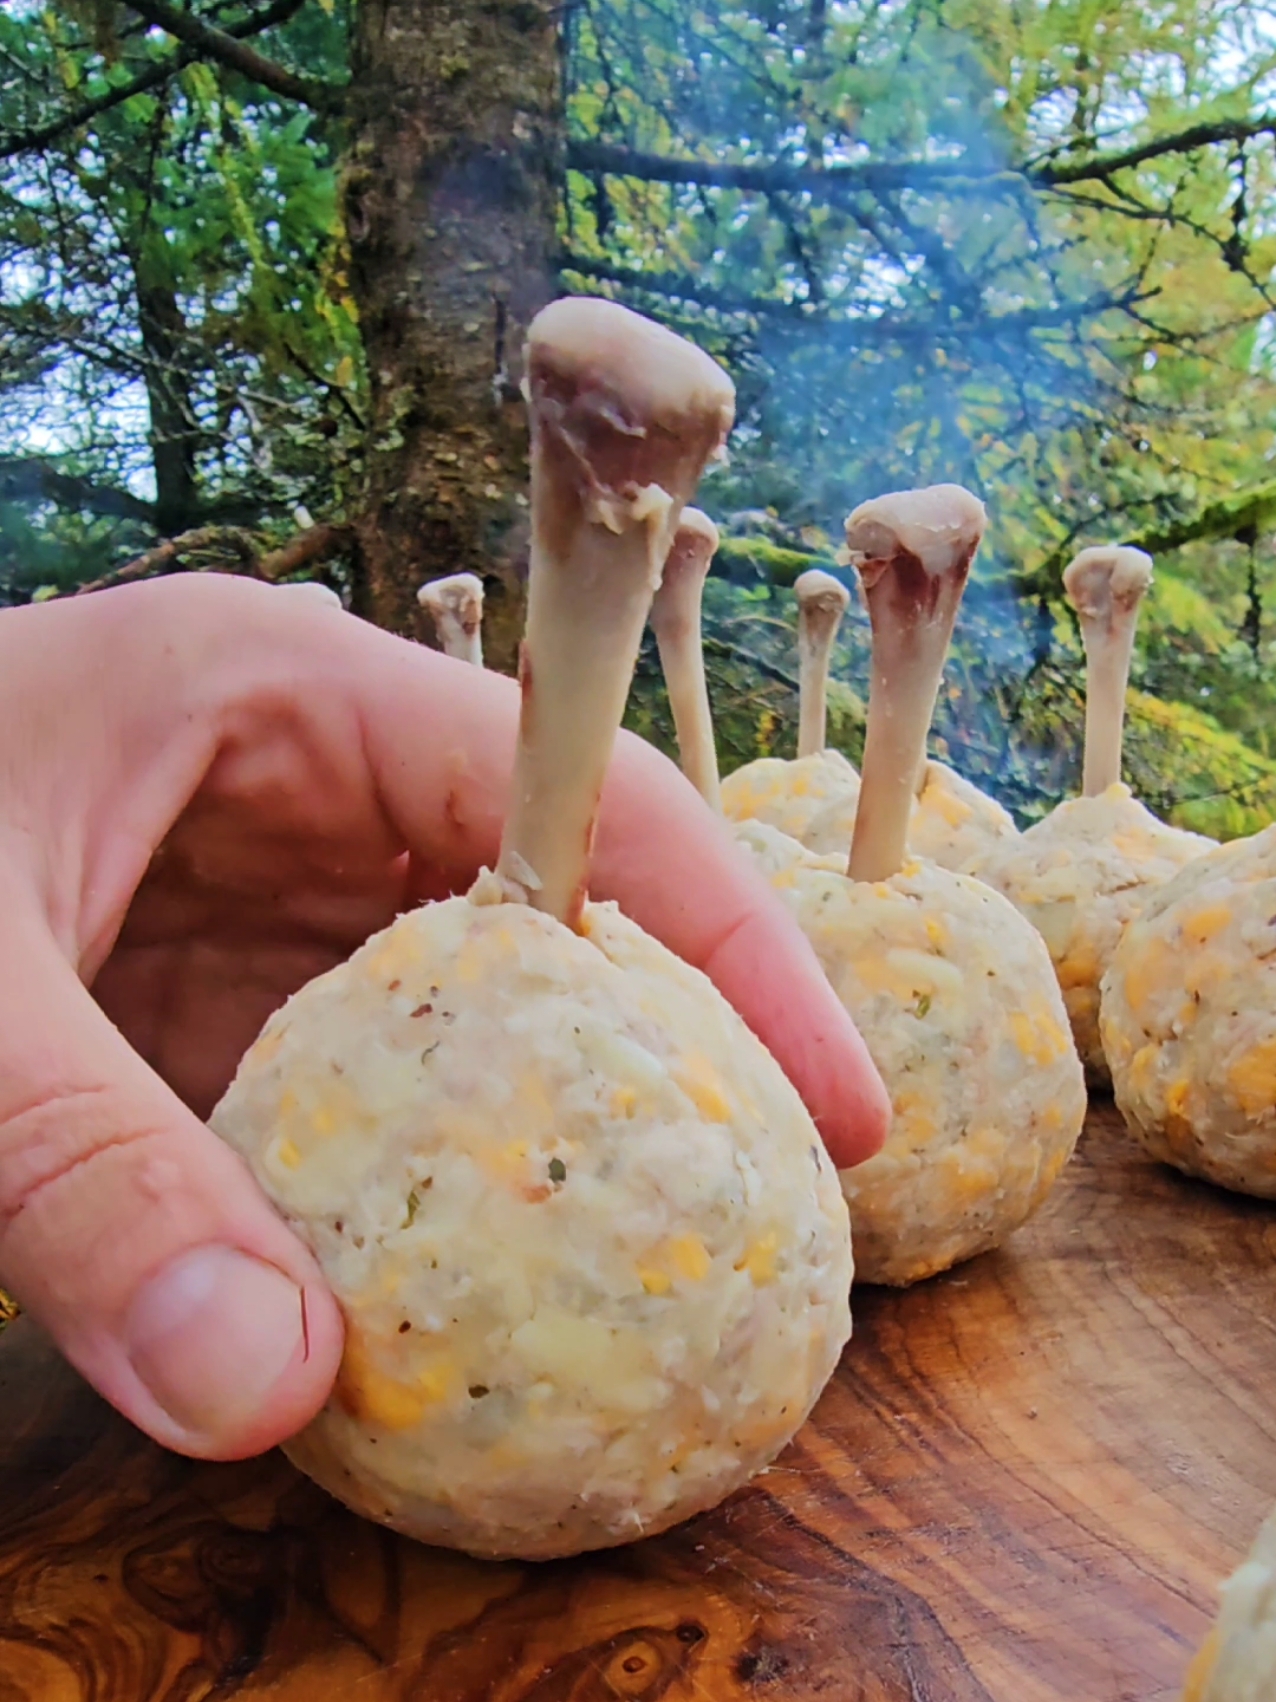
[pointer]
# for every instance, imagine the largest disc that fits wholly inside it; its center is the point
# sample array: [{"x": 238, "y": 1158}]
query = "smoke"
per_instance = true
[{"x": 921, "y": 323}]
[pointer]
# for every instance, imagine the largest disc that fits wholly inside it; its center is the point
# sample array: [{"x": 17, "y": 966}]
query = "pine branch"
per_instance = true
[
  {"x": 31, "y": 141},
  {"x": 32, "y": 479},
  {"x": 858, "y": 329},
  {"x": 1248, "y": 511},
  {"x": 316, "y": 544},
  {"x": 878, "y": 177},
  {"x": 827, "y": 183},
  {"x": 1103, "y": 166},
  {"x": 683, "y": 287},
  {"x": 1244, "y": 514},
  {"x": 228, "y": 50},
  {"x": 169, "y": 554}
]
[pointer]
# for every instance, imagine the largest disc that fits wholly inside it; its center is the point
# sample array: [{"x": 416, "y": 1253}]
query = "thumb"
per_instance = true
[{"x": 135, "y": 1236}]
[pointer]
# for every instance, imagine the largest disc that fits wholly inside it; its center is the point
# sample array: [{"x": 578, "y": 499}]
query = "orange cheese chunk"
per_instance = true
[
  {"x": 1202, "y": 925},
  {"x": 372, "y": 1397},
  {"x": 1038, "y": 1037},
  {"x": 955, "y": 811},
  {"x": 703, "y": 1086},
  {"x": 1155, "y": 967},
  {"x": 759, "y": 1261},
  {"x": 1080, "y": 968},
  {"x": 1176, "y": 1096},
  {"x": 915, "y": 1113},
  {"x": 624, "y": 1101},
  {"x": 1253, "y": 1078},
  {"x": 1198, "y": 1674},
  {"x": 690, "y": 1257},
  {"x": 1143, "y": 1068}
]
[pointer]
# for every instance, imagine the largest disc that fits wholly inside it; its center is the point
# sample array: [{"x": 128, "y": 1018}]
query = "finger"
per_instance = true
[
  {"x": 674, "y": 866},
  {"x": 134, "y": 1235},
  {"x": 437, "y": 736},
  {"x": 440, "y": 736}
]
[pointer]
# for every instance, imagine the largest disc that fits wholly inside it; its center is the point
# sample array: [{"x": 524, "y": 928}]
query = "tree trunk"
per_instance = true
[
  {"x": 452, "y": 196},
  {"x": 174, "y": 436}
]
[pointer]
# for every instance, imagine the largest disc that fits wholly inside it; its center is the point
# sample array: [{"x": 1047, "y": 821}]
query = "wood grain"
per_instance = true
[{"x": 1023, "y": 1486}]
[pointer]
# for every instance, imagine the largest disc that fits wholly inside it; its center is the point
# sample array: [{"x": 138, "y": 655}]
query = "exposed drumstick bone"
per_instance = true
[
  {"x": 675, "y": 620},
  {"x": 822, "y": 601},
  {"x": 455, "y": 605},
  {"x": 913, "y": 550},
  {"x": 1105, "y": 585},
  {"x": 624, "y": 417}
]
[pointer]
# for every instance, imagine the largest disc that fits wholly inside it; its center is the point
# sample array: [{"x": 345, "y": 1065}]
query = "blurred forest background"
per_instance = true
[{"x": 264, "y": 272}]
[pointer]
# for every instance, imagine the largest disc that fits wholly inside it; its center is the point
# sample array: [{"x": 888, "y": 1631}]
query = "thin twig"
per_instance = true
[
  {"x": 224, "y": 47},
  {"x": 831, "y": 183},
  {"x": 31, "y": 141},
  {"x": 168, "y": 552},
  {"x": 317, "y": 543}
]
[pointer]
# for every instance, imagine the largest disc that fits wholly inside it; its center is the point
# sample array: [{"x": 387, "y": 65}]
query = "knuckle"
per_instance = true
[{"x": 48, "y": 1137}]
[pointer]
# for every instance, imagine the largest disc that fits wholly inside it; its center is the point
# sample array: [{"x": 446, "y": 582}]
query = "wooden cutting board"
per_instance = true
[{"x": 1023, "y": 1486}]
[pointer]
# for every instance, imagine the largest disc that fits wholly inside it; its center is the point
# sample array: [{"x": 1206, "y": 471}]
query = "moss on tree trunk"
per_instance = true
[{"x": 452, "y": 193}]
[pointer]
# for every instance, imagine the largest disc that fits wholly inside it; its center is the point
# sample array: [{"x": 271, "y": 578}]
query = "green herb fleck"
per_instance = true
[
  {"x": 414, "y": 1203},
  {"x": 922, "y": 1005},
  {"x": 557, "y": 1170}
]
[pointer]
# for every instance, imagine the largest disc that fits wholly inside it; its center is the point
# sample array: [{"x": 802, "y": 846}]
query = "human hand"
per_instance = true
[{"x": 211, "y": 792}]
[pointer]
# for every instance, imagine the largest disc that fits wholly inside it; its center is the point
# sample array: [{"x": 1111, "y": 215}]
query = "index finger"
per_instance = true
[{"x": 440, "y": 738}]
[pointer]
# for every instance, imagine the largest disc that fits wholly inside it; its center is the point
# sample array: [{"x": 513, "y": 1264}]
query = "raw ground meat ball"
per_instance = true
[
  {"x": 951, "y": 988},
  {"x": 775, "y": 852},
  {"x": 592, "y": 1256},
  {"x": 1080, "y": 877},
  {"x": 952, "y": 822},
  {"x": 789, "y": 795},
  {"x": 1189, "y": 1018},
  {"x": 1084, "y": 872},
  {"x": 1237, "y": 1662},
  {"x": 954, "y": 995}
]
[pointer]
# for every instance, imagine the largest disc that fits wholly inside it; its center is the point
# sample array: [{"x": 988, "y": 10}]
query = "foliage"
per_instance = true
[
  {"x": 754, "y": 560},
  {"x": 175, "y": 323},
  {"x": 979, "y": 297},
  {"x": 1023, "y": 246},
  {"x": 986, "y": 297}
]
